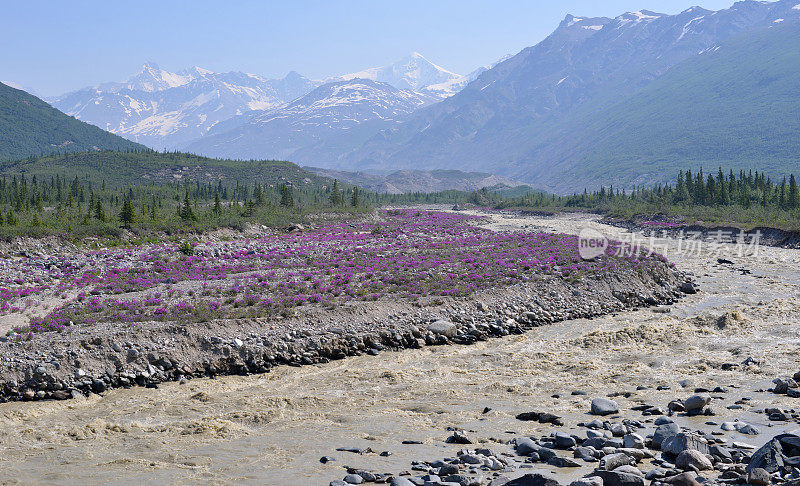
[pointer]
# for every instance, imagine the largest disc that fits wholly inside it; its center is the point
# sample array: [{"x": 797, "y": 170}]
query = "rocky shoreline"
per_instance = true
[
  {"x": 620, "y": 444},
  {"x": 725, "y": 234},
  {"x": 92, "y": 359}
]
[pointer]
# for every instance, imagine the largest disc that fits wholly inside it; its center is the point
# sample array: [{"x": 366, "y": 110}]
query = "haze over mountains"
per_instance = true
[
  {"x": 625, "y": 100},
  {"x": 169, "y": 110}
]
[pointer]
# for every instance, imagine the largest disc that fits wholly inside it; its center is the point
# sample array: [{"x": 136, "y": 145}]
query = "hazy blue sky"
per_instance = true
[{"x": 57, "y": 46}]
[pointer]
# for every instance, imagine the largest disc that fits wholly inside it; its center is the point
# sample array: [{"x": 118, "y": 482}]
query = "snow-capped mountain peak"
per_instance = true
[
  {"x": 152, "y": 78},
  {"x": 197, "y": 70},
  {"x": 413, "y": 72},
  {"x": 640, "y": 16},
  {"x": 166, "y": 109}
]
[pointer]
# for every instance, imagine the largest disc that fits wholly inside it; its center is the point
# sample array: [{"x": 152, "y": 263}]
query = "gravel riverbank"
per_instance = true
[{"x": 93, "y": 359}]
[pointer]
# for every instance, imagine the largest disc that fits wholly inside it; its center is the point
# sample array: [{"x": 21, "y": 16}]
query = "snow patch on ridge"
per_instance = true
[{"x": 688, "y": 26}]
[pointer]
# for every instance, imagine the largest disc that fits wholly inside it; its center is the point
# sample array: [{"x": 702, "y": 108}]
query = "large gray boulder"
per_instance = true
[
  {"x": 534, "y": 479},
  {"x": 443, "y": 327},
  {"x": 664, "y": 432},
  {"x": 692, "y": 458},
  {"x": 696, "y": 403},
  {"x": 673, "y": 446},
  {"x": 615, "y": 478},
  {"x": 604, "y": 406},
  {"x": 780, "y": 452},
  {"x": 613, "y": 461},
  {"x": 525, "y": 446}
]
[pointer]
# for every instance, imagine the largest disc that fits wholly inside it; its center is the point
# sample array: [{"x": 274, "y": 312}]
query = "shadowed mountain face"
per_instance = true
[
  {"x": 29, "y": 126},
  {"x": 556, "y": 114}
]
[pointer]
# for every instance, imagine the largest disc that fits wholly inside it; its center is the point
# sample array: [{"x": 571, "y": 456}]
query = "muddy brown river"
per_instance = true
[{"x": 273, "y": 428}]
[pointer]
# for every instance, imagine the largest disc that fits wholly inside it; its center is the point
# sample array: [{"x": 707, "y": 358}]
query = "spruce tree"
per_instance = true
[
  {"x": 722, "y": 188},
  {"x": 782, "y": 198},
  {"x": 336, "y": 198},
  {"x": 794, "y": 196},
  {"x": 217, "y": 203},
  {"x": 99, "y": 212},
  {"x": 287, "y": 199},
  {"x": 354, "y": 202},
  {"x": 126, "y": 213},
  {"x": 187, "y": 214}
]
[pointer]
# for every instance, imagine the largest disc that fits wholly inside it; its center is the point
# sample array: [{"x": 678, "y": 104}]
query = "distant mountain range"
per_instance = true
[
  {"x": 163, "y": 109},
  {"x": 168, "y": 110},
  {"x": 316, "y": 127},
  {"x": 625, "y": 101},
  {"x": 31, "y": 127}
]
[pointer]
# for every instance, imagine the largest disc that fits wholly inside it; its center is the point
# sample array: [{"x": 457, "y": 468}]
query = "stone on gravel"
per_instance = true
[
  {"x": 564, "y": 441},
  {"x": 525, "y": 446},
  {"x": 692, "y": 458},
  {"x": 782, "y": 385},
  {"x": 604, "y": 406},
  {"x": 696, "y": 403},
  {"x": 614, "y": 478},
  {"x": 337, "y": 482},
  {"x": 772, "y": 455},
  {"x": 618, "y": 430},
  {"x": 683, "y": 479},
  {"x": 461, "y": 479},
  {"x": 458, "y": 437},
  {"x": 401, "y": 482},
  {"x": 664, "y": 432},
  {"x": 549, "y": 418},
  {"x": 633, "y": 441},
  {"x": 721, "y": 453},
  {"x": 590, "y": 481},
  {"x": 443, "y": 327},
  {"x": 585, "y": 453},
  {"x": 613, "y": 461},
  {"x": 758, "y": 477},
  {"x": 747, "y": 429},
  {"x": 656, "y": 473},
  {"x": 353, "y": 479},
  {"x": 562, "y": 462},
  {"x": 534, "y": 479},
  {"x": 629, "y": 469},
  {"x": 675, "y": 445}
]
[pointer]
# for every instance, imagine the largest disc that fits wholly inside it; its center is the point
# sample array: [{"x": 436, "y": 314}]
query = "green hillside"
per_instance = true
[
  {"x": 29, "y": 126},
  {"x": 120, "y": 169},
  {"x": 737, "y": 106}
]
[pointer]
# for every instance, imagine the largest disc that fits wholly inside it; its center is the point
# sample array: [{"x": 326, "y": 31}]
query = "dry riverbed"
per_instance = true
[{"x": 741, "y": 331}]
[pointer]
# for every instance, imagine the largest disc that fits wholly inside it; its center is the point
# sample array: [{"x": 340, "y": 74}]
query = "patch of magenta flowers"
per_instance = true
[{"x": 406, "y": 254}]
